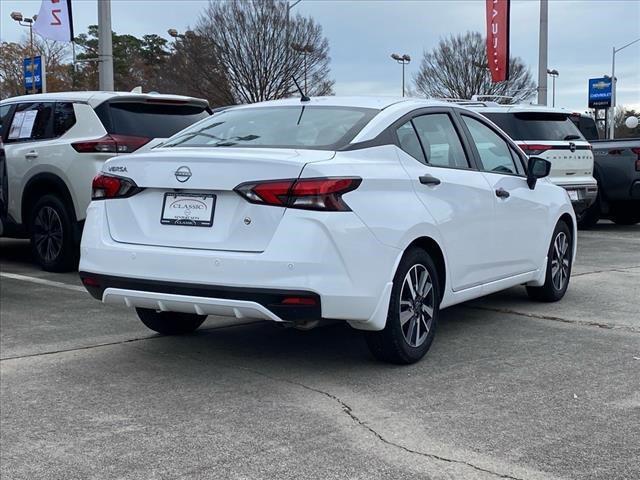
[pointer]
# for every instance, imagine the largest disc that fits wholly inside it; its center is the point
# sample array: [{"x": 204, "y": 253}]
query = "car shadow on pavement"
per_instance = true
[{"x": 15, "y": 251}]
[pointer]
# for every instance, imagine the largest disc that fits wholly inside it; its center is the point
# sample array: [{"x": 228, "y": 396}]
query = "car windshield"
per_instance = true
[
  {"x": 545, "y": 126},
  {"x": 301, "y": 127}
]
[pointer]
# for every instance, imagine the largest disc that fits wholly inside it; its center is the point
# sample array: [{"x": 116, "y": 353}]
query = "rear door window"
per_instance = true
[
  {"x": 150, "y": 120},
  {"x": 32, "y": 121},
  {"x": 543, "y": 126},
  {"x": 409, "y": 142},
  {"x": 65, "y": 118},
  {"x": 440, "y": 141},
  {"x": 4, "y": 117}
]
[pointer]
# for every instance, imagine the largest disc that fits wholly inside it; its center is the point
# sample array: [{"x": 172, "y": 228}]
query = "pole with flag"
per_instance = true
[{"x": 497, "y": 13}]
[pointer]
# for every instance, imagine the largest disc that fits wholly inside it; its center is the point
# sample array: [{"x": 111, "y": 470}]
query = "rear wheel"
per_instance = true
[
  {"x": 170, "y": 323},
  {"x": 413, "y": 312},
  {"x": 53, "y": 243},
  {"x": 590, "y": 216},
  {"x": 560, "y": 257}
]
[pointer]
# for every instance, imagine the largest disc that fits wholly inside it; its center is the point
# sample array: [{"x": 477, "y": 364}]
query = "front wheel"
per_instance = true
[
  {"x": 413, "y": 312},
  {"x": 559, "y": 262},
  {"x": 626, "y": 217},
  {"x": 170, "y": 323}
]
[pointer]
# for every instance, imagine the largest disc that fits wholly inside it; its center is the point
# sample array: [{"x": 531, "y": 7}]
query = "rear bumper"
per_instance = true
[
  {"x": 333, "y": 258},
  {"x": 582, "y": 195},
  {"x": 265, "y": 304}
]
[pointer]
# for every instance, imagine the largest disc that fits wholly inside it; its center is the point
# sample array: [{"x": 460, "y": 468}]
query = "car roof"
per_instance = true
[
  {"x": 95, "y": 98},
  {"x": 516, "y": 108},
  {"x": 376, "y": 102}
]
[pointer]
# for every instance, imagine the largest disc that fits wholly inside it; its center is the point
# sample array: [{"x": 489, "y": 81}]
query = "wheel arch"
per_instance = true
[
  {"x": 432, "y": 247},
  {"x": 44, "y": 184}
]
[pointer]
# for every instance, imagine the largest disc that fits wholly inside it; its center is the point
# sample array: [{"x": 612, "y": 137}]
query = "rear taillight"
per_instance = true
[
  {"x": 111, "y": 144},
  {"x": 636, "y": 150},
  {"x": 110, "y": 186},
  {"x": 532, "y": 149},
  {"x": 305, "y": 193}
]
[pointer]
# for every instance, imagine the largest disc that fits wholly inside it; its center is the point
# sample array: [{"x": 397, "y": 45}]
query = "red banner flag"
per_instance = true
[{"x": 498, "y": 39}]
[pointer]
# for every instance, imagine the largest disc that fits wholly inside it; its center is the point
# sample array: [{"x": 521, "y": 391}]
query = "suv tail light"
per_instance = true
[
  {"x": 532, "y": 150},
  {"x": 110, "y": 186},
  {"x": 111, "y": 143},
  {"x": 636, "y": 150},
  {"x": 304, "y": 193}
]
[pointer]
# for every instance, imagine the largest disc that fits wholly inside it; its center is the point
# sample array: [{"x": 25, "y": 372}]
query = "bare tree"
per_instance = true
[
  {"x": 457, "y": 68},
  {"x": 252, "y": 41}
]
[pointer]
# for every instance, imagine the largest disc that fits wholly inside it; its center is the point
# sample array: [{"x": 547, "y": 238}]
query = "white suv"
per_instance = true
[
  {"x": 549, "y": 133},
  {"x": 374, "y": 211},
  {"x": 56, "y": 143}
]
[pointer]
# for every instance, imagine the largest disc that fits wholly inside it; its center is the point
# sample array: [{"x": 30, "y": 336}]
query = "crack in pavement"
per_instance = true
[
  {"x": 617, "y": 269},
  {"x": 607, "y": 326},
  {"x": 348, "y": 410}
]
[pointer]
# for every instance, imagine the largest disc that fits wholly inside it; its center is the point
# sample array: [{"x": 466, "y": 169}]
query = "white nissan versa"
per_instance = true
[{"x": 378, "y": 212}]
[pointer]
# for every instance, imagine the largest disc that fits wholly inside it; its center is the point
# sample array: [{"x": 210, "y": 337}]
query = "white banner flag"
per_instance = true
[{"x": 55, "y": 21}]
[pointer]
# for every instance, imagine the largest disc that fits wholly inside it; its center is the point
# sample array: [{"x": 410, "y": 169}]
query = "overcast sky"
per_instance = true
[{"x": 363, "y": 33}]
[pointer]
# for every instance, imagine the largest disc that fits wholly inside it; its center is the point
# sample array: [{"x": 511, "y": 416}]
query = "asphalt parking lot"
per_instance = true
[{"x": 510, "y": 389}]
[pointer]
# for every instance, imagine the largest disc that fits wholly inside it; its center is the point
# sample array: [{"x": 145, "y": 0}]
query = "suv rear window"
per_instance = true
[
  {"x": 303, "y": 127},
  {"x": 544, "y": 126},
  {"x": 151, "y": 120}
]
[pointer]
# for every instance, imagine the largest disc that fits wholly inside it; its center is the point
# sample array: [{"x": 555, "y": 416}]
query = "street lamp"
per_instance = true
[
  {"x": 304, "y": 50},
  {"x": 402, "y": 60},
  {"x": 28, "y": 22},
  {"x": 613, "y": 86},
  {"x": 553, "y": 73}
]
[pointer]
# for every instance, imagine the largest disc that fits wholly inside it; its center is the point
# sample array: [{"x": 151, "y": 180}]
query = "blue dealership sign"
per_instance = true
[
  {"x": 37, "y": 74},
  {"x": 600, "y": 92}
]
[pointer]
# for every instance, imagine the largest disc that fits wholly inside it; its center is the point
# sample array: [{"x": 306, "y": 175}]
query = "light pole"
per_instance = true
[
  {"x": 304, "y": 50},
  {"x": 553, "y": 73},
  {"x": 613, "y": 86},
  {"x": 402, "y": 60},
  {"x": 542, "y": 52},
  {"x": 28, "y": 22},
  {"x": 105, "y": 46}
]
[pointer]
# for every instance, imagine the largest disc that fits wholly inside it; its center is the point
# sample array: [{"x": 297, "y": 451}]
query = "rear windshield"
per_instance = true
[
  {"x": 586, "y": 125},
  {"x": 302, "y": 127},
  {"x": 149, "y": 120},
  {"x": 536, "y": 126}
]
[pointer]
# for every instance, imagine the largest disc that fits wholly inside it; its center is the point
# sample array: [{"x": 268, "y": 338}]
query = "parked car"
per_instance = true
[
  {"x": 550, "y": 134},
  {"x": 617, "y": 171},
  {"x": 56, "y": 143},
  {"x": 374, "y": 211}
]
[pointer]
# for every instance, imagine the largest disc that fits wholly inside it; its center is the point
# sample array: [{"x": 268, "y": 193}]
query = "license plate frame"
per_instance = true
[
  {"x": 573, "y": 195},
  {"x": 203, "y": 219}
]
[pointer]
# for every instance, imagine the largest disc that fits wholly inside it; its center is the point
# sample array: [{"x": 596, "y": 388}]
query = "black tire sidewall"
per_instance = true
[
  {"x": 170, "y": 323},
  {"x": 549, "y": 286},
  {"x": 67, "y": 259},
  {"x": 392, "y": 332}
]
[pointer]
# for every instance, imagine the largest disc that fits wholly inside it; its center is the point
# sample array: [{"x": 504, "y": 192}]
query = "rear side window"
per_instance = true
[
  {"x": 32, "y": 121},
  {"x": 64, "y": 119},
  {"x": 587, "y": 126},
  {"x": 494, "y": 151},
  {"x": 543, "y": 126},
  {"x": 440, "y": 141},
  {"x": 150, "y": 120}
]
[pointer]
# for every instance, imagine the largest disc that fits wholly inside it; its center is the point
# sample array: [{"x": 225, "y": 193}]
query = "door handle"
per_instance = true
[
  {"x": 31, "y": 155},
  {"x": 502, "y": 193},
  {"x": 429, "y": 180}
]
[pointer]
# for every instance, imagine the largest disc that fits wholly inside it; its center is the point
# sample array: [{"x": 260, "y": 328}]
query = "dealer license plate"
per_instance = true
[
  {"x": 573, "y": 194},
  {"x": 188, "y": 209}
]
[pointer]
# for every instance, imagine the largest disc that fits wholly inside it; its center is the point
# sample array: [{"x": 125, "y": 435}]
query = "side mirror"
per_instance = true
[{"x": 537, "y": 168}]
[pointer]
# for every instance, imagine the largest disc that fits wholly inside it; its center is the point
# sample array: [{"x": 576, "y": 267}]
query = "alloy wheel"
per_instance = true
[
  {"x": 48, "y": 233},
  {"x": 416, "y": 305},
  {"x": 560, "y": 261}
]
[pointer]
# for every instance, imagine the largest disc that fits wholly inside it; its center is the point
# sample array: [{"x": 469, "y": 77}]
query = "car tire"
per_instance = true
[
  {"x": 557, "y": 279},
  {"x": 590, "y": 217},
  {"x": 53, "y": 236},
  {"x": 170, "y": 323},
  {"x": 625, "y": 216},
  {"x": 413, "y": 314}
]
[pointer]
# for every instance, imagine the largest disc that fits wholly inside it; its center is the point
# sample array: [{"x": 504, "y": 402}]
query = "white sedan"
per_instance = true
[{"x": 374, "y": 211}]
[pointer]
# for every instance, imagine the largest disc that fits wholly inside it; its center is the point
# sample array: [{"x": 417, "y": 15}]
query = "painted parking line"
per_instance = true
[{"x": 42, "y": 281}]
